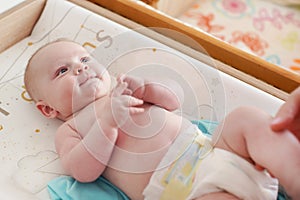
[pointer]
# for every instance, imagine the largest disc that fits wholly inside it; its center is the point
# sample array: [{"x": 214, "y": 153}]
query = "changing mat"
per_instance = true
[
  {"x": 28, "y": 157},
  {"x": 6, "y": 5}
]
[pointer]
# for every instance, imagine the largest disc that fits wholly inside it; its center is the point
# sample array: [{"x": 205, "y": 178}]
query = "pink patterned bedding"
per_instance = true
[{"x": 259, "y": 27}]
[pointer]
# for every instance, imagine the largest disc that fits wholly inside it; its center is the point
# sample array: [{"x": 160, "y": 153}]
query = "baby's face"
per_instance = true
[{"x": 68, "y": 77}]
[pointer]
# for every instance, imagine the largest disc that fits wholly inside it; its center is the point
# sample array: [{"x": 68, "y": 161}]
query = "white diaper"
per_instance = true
[{"x": 191, "y": 172}]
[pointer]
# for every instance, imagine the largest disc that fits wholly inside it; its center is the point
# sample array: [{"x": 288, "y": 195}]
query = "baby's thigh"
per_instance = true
[
  {"x": 240, "y": 127},
  {"x": 218, "y": 195}
]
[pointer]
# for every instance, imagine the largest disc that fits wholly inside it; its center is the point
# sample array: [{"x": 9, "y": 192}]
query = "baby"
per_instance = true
[{"x": 130, "y": 135}]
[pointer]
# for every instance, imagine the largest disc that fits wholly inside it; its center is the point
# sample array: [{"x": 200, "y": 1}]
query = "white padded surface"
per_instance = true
[
  {"x": 28, "y": 157},
  {"x": 8, "y": 4}
]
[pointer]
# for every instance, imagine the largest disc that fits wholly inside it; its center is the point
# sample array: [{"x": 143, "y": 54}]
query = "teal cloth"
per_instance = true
[{"x": 67, "y": 188}]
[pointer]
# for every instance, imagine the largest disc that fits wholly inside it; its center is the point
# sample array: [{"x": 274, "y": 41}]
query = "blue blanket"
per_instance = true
[{"x": 67, "y": 188}]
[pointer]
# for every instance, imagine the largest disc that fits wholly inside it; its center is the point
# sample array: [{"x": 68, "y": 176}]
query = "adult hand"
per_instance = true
[{"x": 288, "y": 116}]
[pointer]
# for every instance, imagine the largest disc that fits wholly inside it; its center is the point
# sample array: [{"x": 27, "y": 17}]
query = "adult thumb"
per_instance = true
[{"x": 283, "y": 118}]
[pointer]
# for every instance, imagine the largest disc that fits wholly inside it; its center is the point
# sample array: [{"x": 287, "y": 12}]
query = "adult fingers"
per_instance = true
[
  {"x": 286, "y": 114},
  {"x": 283, "y": 118}
]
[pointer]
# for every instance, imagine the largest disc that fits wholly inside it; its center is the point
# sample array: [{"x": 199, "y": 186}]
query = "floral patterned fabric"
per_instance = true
[{"x": 259, "y": 27}]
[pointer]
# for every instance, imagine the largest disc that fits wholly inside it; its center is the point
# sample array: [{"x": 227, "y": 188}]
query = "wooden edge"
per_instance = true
[
  {"x": 18, "y": 22},
  {"x": 183, "y": 48},
  {"x": 276, "y": 76}
]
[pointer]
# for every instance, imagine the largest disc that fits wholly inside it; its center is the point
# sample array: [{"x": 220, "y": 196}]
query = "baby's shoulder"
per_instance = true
[{"x": 66, "y": 127}]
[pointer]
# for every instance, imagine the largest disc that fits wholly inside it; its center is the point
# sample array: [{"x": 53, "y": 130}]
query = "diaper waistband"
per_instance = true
[
  {"x": 175, "y": 173},
  {"x": 183, "y": 145}
]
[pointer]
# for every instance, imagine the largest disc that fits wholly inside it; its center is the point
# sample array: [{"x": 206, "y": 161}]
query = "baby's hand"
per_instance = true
[
  {"x": 135, "y": 86},
  {"x": 166, "y": 93},
  {"x": 122, "y": 106}
]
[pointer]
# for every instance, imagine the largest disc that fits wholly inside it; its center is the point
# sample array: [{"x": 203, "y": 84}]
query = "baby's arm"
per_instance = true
[
  {"x": 165, "y": 93},
  {"x": 86, "y": 142},
  {"x": 77, "y": 161}
]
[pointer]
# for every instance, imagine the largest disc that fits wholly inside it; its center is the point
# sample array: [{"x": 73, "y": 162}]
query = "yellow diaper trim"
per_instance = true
[
  {"x": 201, "y": 139},
  {"x": 178, "y": 179}
]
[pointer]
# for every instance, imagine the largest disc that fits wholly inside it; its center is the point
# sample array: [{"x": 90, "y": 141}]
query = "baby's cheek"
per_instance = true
[
  {"x": 96, "y": 67},
  {"x": 70, "y": 93}
]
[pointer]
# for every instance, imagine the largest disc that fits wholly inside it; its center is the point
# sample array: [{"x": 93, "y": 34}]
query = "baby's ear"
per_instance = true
[{"x": 46, "y": 110}]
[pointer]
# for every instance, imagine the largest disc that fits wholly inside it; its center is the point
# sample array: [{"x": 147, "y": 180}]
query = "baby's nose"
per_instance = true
[{"x": 80, "y": 69}]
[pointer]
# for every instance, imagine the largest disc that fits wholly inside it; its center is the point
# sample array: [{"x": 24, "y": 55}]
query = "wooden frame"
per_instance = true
[
  {"x": 18, "y": 22},
  {"x": 276, "y": 76}
]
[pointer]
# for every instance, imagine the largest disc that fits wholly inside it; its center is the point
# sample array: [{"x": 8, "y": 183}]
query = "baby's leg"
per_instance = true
[
  {"x": 246, "y": 132},
  {"x": 218, "y": 195}
]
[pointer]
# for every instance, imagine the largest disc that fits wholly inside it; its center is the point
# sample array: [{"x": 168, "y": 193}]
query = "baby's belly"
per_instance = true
[
  {"x": 137, "y": 153},
  {"x": 150, "y": 131}
]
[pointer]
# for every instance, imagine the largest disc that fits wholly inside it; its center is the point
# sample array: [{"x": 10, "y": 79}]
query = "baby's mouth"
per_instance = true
[
  {"x": 86, "y": 79},
  {"x": 83, "y": 82}
]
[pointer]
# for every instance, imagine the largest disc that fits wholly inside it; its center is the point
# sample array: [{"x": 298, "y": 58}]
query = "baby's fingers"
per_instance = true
[
  {"x": 127, "y": 92},
  {"x": 120, "y": 78},
  {"x": 134, "y": 101},
  {"x": 136, "y": 110},
  {"x": 119, "y": 89}
]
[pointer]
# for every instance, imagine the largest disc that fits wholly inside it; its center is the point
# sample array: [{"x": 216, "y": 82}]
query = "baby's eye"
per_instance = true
[
  {"x": 61, "y": 71},
  {"x": 84, "y": 59}
]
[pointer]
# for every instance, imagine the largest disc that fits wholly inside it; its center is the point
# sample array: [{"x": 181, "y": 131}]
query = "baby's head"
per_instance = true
[{"x": 62, "y": 78}]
